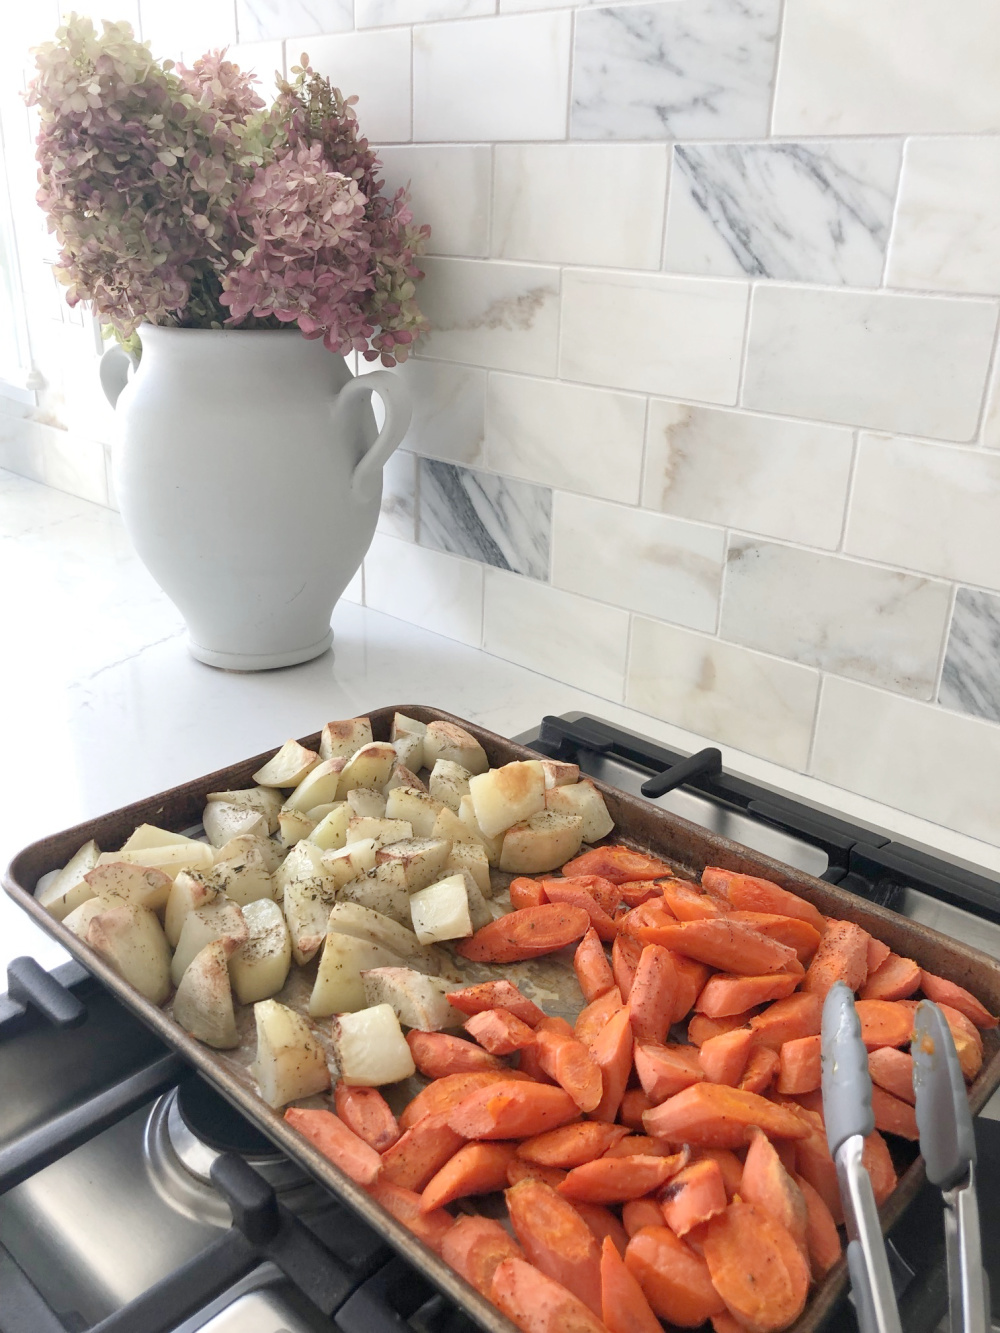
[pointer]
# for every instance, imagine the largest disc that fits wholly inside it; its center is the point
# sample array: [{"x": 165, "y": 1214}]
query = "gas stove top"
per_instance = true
[{"x": 134, "y": 1199}]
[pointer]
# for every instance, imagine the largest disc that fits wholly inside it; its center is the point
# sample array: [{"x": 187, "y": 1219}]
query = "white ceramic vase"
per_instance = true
[{"x": 248, "y": 470}]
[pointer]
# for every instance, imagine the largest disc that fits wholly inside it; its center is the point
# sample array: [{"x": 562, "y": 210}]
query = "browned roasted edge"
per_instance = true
[{"x": 638, "y": 822}]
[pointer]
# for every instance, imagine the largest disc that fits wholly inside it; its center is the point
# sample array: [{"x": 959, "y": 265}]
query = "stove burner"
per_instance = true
[{"x": 216, "y": 1123}]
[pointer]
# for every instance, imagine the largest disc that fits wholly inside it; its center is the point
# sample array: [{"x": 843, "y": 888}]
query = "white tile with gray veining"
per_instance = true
[
  {"x": 970, "y": 681},
  {"x": 872, "y": 624},
  {"x": 449, "y": 189},
  {"x": 808, "y": 212},
  {"x": 381, "y": 13},
  {"x": 259, "y": 20},
  {"x": 685, "y": 69},
  {"x": 449, "y": 410},
  {"x": 492, "y": 519}
]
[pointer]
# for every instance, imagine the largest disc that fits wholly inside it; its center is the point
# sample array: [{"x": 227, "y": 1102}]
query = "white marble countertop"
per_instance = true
[{"x": 100, "y": 703}]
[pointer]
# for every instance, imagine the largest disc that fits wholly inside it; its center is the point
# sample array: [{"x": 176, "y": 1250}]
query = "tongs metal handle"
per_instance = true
[
  {"x": 847, "y": 1109},
  {"x": 948, "y": 1145}
]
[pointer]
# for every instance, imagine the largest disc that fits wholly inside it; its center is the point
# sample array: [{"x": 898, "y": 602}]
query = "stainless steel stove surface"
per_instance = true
[{"x": 134, "y": 1199}]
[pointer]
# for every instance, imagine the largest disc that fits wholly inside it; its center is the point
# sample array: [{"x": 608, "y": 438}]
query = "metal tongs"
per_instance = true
[{"x": 946, "y": 1142}]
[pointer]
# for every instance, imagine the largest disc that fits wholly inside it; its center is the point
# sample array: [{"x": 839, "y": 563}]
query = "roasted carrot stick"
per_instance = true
[
  {"x": 436, "y": 1054},
  {"x": 968, "y": 1042},
  {"x": 749, "y": 894},
  {"x": 623, "y": 1302},
  {"x": 701, "y": 1028},
  {"x": 884, "y": 1023},
  {"x": 894, "y": 979},
  {"x": 725, "y": 994},
  {"x": 633, "y": 1104},
  {"x": 619, "y": 864},
  {"x": 604, "y": 891},
  {"x": 723, "y": 943},
  {"x": 756, "y": 1267},
  {"x": 724, "y": 1058},
  {"x": 787, "y": 1020},
  {"x": 653, "y": 912},
  {"x": 842, "y": 956},
  {"x": 800, "y": 1068},
  {"x": 957, "y": 997},
  {"x": 404, "y": 1204},
  {"x": 537, "y": 1304},
  {"x": 651, "y": 999},
  {"x": 475, "y": 1247},
  {"x": 367, "y": 1113},
  {"x": 499, "y": 1031},
  {"x": 341, "y": 1145},
  {"x": 444, "y": 1093},
  {"x": 637, "y": 891},
  {"x": 625, "y": 955},
  {"x": 894, "y": 1116},
  {"x": 822, "y": 1236},
  {"x": 420, "y": 1153},
  {"x": 496, "y": 995},
  {"x": 603, "y": 1224},
  {"x": 639, "y": 1213},
  {"x": 526, "y": 893},
  {"x": 512, "y": 1110},
  {"x": 556, "y": 1239},
  {"x": 728, "y": 1163},
  {"x": 675, "y": 1280},
  {"x": 593, "y": 1018},
  {"x": 519, "y": 1169},
  {"x": 812, "y": 1157},
  {"x": 691, "y": 978},
  {"x": 593, "y": 971},
  {"x": 618, "y": 1179},
  {"x": 529, "y": 933},
  {"x": 477, "y": 1168},
  {"x": 640, "y": 1145},
  {"x": 767, "y": 1184},
  {"x": 725, "y": 1323},
  {"x": 877, "y": 954},
  {"x": 695, "y": 1194},
  {"x": 689, "y": 902},
  {"x": 797, "y": 934},
  {"x": 611, "y": 1052},
  {"x": 878, "y": 1162},
  {"x": 715, "y": 1116},
  {"x": 665, "y": 1070},
  {"x": 572, "y": 1145},
  {"x": 571, "y": 893},
  {"x": 893, "y": 1070},
  {"x": 570, "y": 1063},
  {"x": 761, "y": 1070}
]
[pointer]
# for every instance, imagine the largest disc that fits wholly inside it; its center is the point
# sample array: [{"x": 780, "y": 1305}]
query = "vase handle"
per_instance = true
[
  {"x": 398, "y": 410},
  {"x": 114, "y": 368}
]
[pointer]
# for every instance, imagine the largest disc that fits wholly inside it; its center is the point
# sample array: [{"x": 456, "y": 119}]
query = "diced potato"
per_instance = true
[
  {"x": 418, "y": 808},
  {"x": 471, "y": 857},
  {"x": 416, "y": 1000},
  {"x": 67, "y": 889},
  {"x": 371, "y": 766},
  {"x": 271, "y": 852},
  {"x": 218, "y": 920},
  {"x": 290, "y": 1061},
  {"x": 265, "y": 800},
  {"x": 293, "y": 826},
  {"x": 330, "y": 834},
  {"x": 381, "y": 831},
  {"x": 585, "y": 800},
  {"x": 190, "y": 890},
  {"x": 409, "y": 750},
  {"x": 171, "y": 858},
  {"x": 479, "y": 909},
  {"x": 304, "y": 863},
  {"x": 320, "y": 785},
  {"x": 447, "y": 825},
  {"x": 403, "y": 777},
  {"x": 441, "y": 911},
  {"x": 366, "y": 803},
  {"x": 203, "y": 1004},
  {"x": 505, "y": 796},
  {"x": 224, "y": 821},
  {"x": 558, "y": 774},
  {"x": 319, "y": 812},
  {"x": 78, "y": 921},
  {"x": 445, "y": 740},
  {"x": 339, "y": 740},
  {"x": 365, "y": 923},
  {"x": 119, "y": 882},
  {"x": 493, "y": 845},
  {"x": 338, "y": 988},
  {"x": 132, "y": 941},
  {"x": 148, "y": 835},
  {"x": 287, "y": 767},
  {"x": 350, "y": 861},
  {"x": 245, "y": 878},
  {"x": 413, "y": 863},
  {"x": 544, "y": 842},
  {"x": 380, "y": 894},
  {"x": 406, "y": 726},
  {"x": 259, "y": 968},
  {"x": 449, "y": 782},
  {"x": 310, "y": 889},
  {"x": 371, "y": 1049}
]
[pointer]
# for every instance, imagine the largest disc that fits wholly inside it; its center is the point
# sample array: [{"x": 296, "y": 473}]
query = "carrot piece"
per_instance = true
[
  {"x": 815, "y": 1164},
  {"x": 695, "y": 1194},
  {"x": 761, "y": 1070},
  {"x": 822, "y": 1236},
  {"x": 528, "y": 933},
  {"x": 894, "y": 979},
  {"x": 618, "y": 1179},
  {"x": 619, "y": 864},
  {"x": 893, "y": 1070},
  {"x": 701, "y": 1028},
  {"x": 512, "y": 1110},
  {"x": 526, "y": 892},
  {"x": 573, "y": 894},
  {"x": 691, "y": 978},
  {"x": 884, "y": 1022},
  {"x": 611, "y": 1052},
  {"x": 625, "y": 955},
  {"x": 968, "y": 1042},
  {"x": 877, "y": 954},
  {"x": 725, "y": 1323},
  {"x": 556, "y": 1239},
  {"x": 689, "y": 902},
  {"x": 878, "y": 1162},
  {"x": 593, "y": 1018},
  {"x": 444, "y": 1093},
  {"x": 640, "y": 1145},
  {"x": 715, "y": 1116},
  {"x": 653, "y": 912},
  {"x": 664, "y": 1070},
  {"x": 675, "y": 1280},
  {"x": 747, "y": 893},
  {"x": 335, "y": 1141},
  {"x": 728, "y": 945},
  {"x": 519, "y": 1169},
  {"x": 367, "y": 1113},
  {"x": 633, "y": 1104},
  {"x": 893, "y": 1115},
  {"x": 800, "y": 1068},
  {"x": 420, "y": 1153},
  {"x": 635, "y": 892},
  {"x": 499, "y": 1031},
  {"x": 639, "y": 1213},
  {"x": 593, "y": 971},
  {"x": 538, "y": 1304},
  {"x": 957, "y": 997},
  {"x": 623, "y": 1302},
  {"x": 787, "y": 1020},
  {"x": 404, "y": 1204},
  {"x": 766, "y": 1183},
  {"x": 570, "y": 1063},
  {"x": 651, "y": 1000},
  {"x": 725, "y": 995},
  {"x": 477, "y": 1168},
  {"x": 604, "y": 891},
  {"x": 476, "y": 1246},
  {"x": 437, "y": 1054},
  {"x": 798, "y": 935},
  {"x": 724, "y": 1058},
  {"x": 572, "y": 1145},
  {"x": 728, "y": 1163},
  {"x": 842, "y": 956},
  {"x": 756, "y": 1267},
  {"x": 554, "y": 1023},
  {"x": 496, "y": 995},
  {"x": 603, "y": 1224}
]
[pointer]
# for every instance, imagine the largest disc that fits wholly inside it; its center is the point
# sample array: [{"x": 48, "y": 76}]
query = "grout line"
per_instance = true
[
  {"x": 779, "y": 40},
  {"x": 814, "y": 733},
  {"x": 727, "y": 537},
  {"x": 992, "y": 382},
  {"x": 570, "y": 74},
  {"x": 945, "y": 640},
  {"x": 745, "y": 346},
  {"x": 644, "y": 454},
  {"x": 852, "y": 472},
  {"x": 629, "y": 633},
  {"x": 668, "y": 187},
  {"x": 896, "y": 201}
]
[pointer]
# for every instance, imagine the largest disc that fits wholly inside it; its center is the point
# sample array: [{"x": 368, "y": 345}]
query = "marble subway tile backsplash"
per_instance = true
[
  {"x": 449, "y": 190},
  {"x": 970, "y": 680},
  {"x": 376, "y": 66},
  {"x": 449, "y": 410},
  {"x": 485, "y": 517},
  {"x": 263, "y": 20},
  {"x": 426, "y": 587},
  {"x": 380, "y": 13}
]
